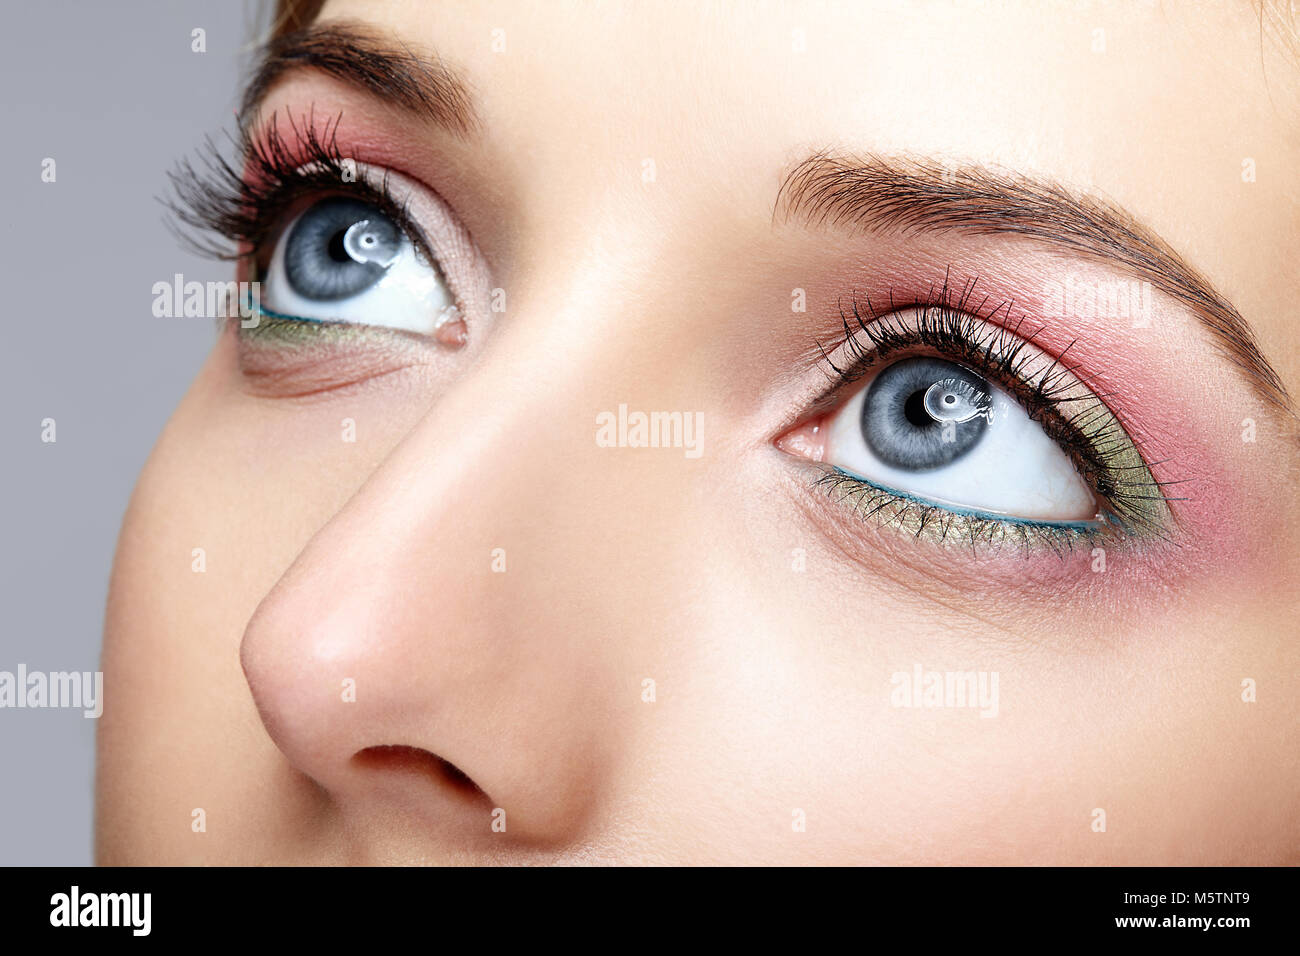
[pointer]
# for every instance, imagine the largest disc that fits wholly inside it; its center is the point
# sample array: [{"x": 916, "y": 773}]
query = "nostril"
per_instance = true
[{"x": 404, "y": 759}]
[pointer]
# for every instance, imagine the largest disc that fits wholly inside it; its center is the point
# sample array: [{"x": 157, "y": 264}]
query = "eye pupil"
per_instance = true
[
  {"x": 914, "y": 410},
  {"x": 336, "y": 249}
]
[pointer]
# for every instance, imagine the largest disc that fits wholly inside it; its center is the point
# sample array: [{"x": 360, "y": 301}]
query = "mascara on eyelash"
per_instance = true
[{"x": 229, "y": 209}]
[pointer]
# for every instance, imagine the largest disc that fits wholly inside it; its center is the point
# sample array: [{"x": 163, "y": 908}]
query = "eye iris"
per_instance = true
[
  {"x": 900, "y": 430},
  {"x": 338, "y": 248}
]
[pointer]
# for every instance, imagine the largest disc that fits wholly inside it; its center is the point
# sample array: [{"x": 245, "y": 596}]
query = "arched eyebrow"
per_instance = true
[
  {"x": 876, "y": 194},
  {"x": 379, "y": 64}
]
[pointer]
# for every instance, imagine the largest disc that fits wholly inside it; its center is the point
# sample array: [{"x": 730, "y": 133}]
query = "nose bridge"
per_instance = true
[{"x": 437, "y": 609}]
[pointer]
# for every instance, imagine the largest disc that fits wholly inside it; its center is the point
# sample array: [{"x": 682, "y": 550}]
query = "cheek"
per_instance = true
[{"x": 231, "y": 493}]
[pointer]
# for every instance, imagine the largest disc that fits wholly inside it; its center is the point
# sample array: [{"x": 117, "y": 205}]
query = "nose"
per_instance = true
[{"x": 417, "y": 658}]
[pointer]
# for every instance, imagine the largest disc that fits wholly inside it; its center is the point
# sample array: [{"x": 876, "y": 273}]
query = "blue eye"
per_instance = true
[
  {"x": 907, "y": 432},
  {"x": 345, "y": 260},
  {"x": 935, "y": 431},
  {"x": 339, "y": 248},
  {"x": 960, "y": 427}
]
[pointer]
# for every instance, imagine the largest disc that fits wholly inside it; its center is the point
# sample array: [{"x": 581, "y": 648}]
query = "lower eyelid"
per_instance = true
[
  {"x": 964, "y": 511},
  {"x": 297, "y": 358},
  {"x": 981, "y": 584},
  {"x": 945, "y": 525}
]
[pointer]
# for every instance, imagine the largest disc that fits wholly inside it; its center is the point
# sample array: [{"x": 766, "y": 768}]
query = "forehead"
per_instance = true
[
  {"x": 1177, "y": 113},
  {"x": 1071, "y": 85}
]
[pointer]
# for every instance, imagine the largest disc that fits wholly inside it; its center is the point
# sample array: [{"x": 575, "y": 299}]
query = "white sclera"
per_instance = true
[
  {"x": 1015, "y": 470},
  {"x": 411, "y": 296}
]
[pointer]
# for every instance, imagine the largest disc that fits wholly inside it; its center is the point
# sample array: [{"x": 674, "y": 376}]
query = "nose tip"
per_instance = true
[
  {"x": 301, "y": 684},
  {"x": 437, "y": 727},
  {"x": 341, "y": 718}
]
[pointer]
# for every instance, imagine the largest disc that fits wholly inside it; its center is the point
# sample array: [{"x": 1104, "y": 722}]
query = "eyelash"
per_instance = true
[
  {"x": 948, "y": 322},
  {"x": 247, "y": 207}
]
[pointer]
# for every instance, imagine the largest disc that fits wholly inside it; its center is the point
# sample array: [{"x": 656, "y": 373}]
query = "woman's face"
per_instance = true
[{"x": 405, "y": 587}]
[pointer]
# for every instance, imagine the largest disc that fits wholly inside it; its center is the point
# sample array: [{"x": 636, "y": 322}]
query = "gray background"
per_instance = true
[{"x": 114, "y": 94}]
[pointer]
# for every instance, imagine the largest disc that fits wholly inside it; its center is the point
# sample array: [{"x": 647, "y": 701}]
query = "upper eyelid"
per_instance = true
[
  {"x": 242, "y": 199},
  {"x": 1003, "y": 344},
  {"x": 857, "y": 321}
]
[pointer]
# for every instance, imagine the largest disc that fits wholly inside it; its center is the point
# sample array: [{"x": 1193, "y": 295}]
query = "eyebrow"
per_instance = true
[
  {"x": 877, "y": 194},
  {"x": 871, "y": 193},
  {"x": 380, "y": 64}
]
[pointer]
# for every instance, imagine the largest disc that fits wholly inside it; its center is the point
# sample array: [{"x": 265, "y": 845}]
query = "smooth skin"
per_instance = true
[{"x": 771, "y": 736}]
